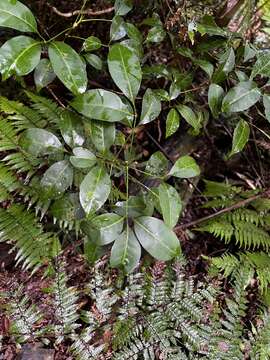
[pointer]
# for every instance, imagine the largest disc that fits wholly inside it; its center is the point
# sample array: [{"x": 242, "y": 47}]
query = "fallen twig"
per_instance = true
[
  {"x": 239, "y": 204},
  {"x": 90, "y": 12}
]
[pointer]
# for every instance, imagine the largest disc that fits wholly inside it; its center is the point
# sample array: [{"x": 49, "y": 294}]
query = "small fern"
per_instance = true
[{"x": 20, "y": 228}]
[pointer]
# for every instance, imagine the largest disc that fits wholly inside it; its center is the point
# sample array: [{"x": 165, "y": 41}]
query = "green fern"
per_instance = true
[
  {"x": 8, "y": 182},
  {"x": 20, "y": 115},
  {"x": 25, "y": 317},
  {"x": 65, "y": 304},
  {"x": 21, "y": 228},
  {"x": 46, "y": 108}
]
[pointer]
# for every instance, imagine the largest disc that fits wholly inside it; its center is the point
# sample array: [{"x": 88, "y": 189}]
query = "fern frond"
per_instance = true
[
  {"x": 81, "y": 347},
  {"x": 23, "y": 315},
  {"x": 47, "y": 108},
  {"x": 23, "y": 117},
  {"x": 227, "y": 339},
  {"x": 65, "y": 302},
  {"x": 8, "y": 182},
  {"x": 20, "y": 227},
  {"x": 261, "y": 344},
  {"x": 18, "y": 160}
]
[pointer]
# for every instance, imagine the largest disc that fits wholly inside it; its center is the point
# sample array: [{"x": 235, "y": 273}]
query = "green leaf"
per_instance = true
[
  {"x": 172, "y": 122},
  {"x": 156, "y": 238},
  {"x": 94, "y": 60},
  {"x": 266, "y": 104},
  {"x": 17, "y": 16},
  {"x": 122, "y": 7},
  {"x": 205, "y": 65},
  {"x": 240, "y": 137},
  {"x": 157, "y": 165},
  {"x": 67, "y": 208},
  {"x": 95, "y": 189},
  {"x": 135, "y": 206},
  {"x": 91, "y": 43},
  {"x": 71, "y": 127},
  {"x": 133, "y": 33},
  {"x": 215, "y": 96},
  {"x": 82, "y": 158},
  {"x": 19, "y": 55},
  {"x": 102, "y": 135},
  {"x": 170, "y": 204},
  {"x": 208, "y": 26},
  {"x": 117, "y": 30},
  {"x": 125, "y": 69},
  {"x": 58, "y": 178},
  {"x": 104, "y": 228},
  {"x": 126, "y": 251},
  {"x": 190, "y": 117},
  {"x": 156, "y": 34},
  {"x": 39, "y": 142},
  {"x": 102, "y": 105},
  {"x": 262, "y": 65},
  {"x": 151, "y": 107},
  {"x": 68, "y": 66},
  {"x": 185, "y": 167},
  {"x": 241, "y": 97},
  {"x": 227, "y": 63},
  {"x": 92, "y": 251},
  {"x": 43, "y": 74}
]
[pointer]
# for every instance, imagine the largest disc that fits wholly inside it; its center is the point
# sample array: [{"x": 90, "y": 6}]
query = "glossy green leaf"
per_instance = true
[
  {"x": 106, "y": 228},
  {"x": 94, "y": 60},
  {"x": 126, "y": 251},
  {"x": 102, "y": 135},
  {"x": 122, "y": 7},
  {"x": 266, "y": 103},
  {"x": 172, "y": 122},
  {"x": 207, "y": 25},
  {"x": 102, "y": 105},
  {"x": 262, "y": 65},
  {"x": 157, "y": 165},
  {"x": 133, "y": 46},
  {"x": 215, "y": 96},
  {"x": 241, "y": 97},
  {"x": 67, "y": 208},
  {"x": 162, "y": 94},
  {"x": 19, "y": 55},
  {"x": 170, "y": 204},
  {"x": 17, "y": 16},
  {"x": 95, "y": 189},
  {"x": 205, "y": 66},
  {"x": 249, "y": 52},
  {"x": 83, "y": 158},
  {"x": 91, "y": 43},
  {"x": 189, "y": 115},
  {"x": 68, "y": 66},
  {"x": 227, "y": 63},
  {"x": 117, "y": 30},
  {"x": 156, "y": 238},
  {"x": 58, "y": 178},
  {"x": 92, "y": 251},
  {"x": 156, "y": 34},
  {"x": 151, "y": 107},
  {"x": 185, "y": 167},
  {"x": 43, "y": 74},
  {"x": 125, "y": 69},
  {"x": 240, "y": 137},
  {"x": 180, "y": 83},
  {"x": 133, "y": 33},
  {"x": 71, "y": 127},
  {"x": 39, "y": 142},
  {"x": 135, "y": 206}
]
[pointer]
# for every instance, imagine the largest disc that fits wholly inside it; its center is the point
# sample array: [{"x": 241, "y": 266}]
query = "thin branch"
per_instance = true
[
  {"x": 238, "y": 205},
  {"x": 89, "y": 12}
]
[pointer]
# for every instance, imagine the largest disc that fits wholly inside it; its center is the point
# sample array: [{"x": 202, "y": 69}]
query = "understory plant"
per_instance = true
[{"x": 103, "y": 146}]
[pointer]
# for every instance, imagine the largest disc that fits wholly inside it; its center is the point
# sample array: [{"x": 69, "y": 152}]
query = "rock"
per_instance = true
[{"x": 35, "y": 352}]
